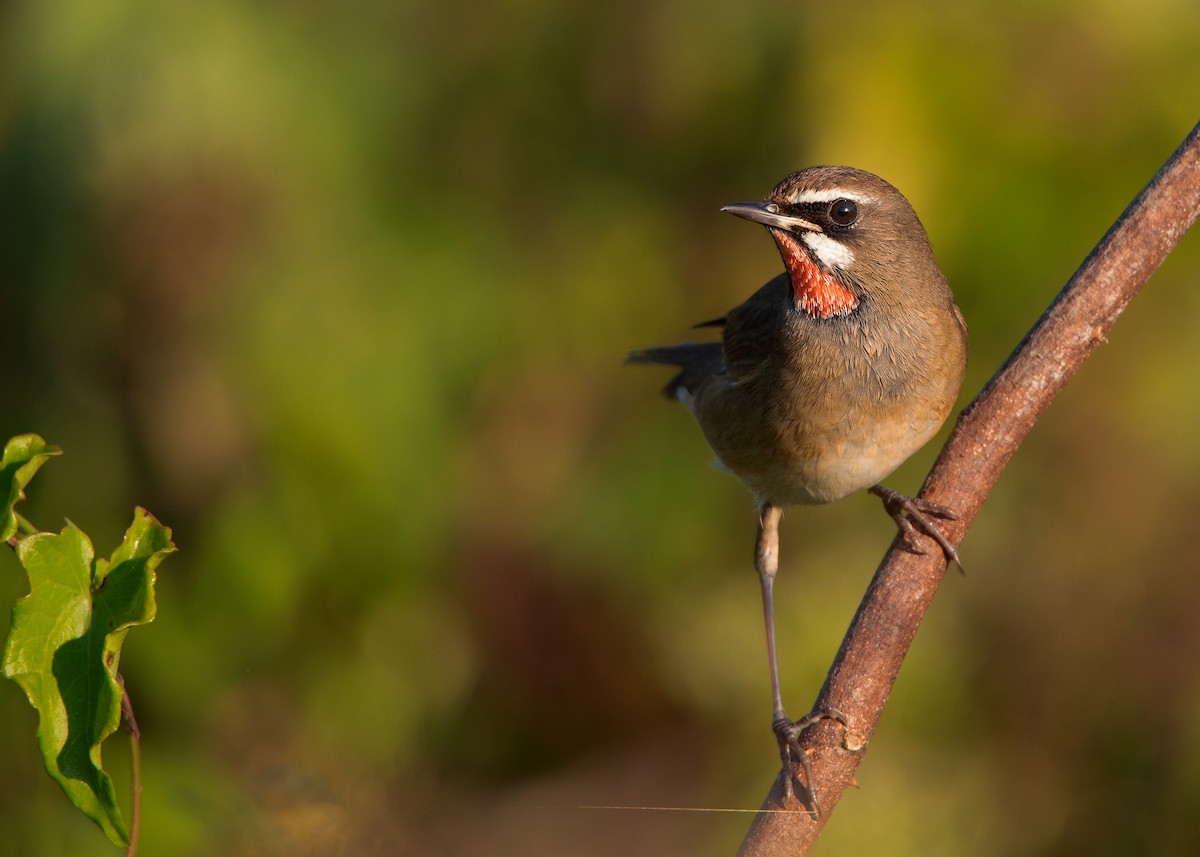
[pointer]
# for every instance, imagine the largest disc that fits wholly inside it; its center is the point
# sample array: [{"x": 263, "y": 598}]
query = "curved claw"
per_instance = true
[
  {"x": 795, "y": 760},
  {"x": 905, "y": 510}
]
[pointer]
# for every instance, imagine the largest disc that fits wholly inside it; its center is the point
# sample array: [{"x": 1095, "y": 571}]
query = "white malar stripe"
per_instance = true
[
  {"x": 829, "y": 251},
  {"x": 828, "y": 194}
]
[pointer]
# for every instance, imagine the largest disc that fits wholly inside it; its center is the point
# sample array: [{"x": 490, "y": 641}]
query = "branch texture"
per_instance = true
[{"x": 987, "y": 434}]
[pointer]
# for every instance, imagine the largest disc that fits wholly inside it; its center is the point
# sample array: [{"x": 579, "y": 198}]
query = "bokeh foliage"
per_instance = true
[{"x": 341, "y": 292}]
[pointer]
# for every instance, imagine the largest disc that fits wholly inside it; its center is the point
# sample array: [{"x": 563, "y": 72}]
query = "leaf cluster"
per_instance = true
[{"x": 64, "y": 646}]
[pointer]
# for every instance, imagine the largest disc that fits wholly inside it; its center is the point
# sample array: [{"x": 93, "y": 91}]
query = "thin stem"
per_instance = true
[
  {"x": 135, "y": 760},
  {"x": 23, "y": 525},
  {"x": 24, "y": 528}
]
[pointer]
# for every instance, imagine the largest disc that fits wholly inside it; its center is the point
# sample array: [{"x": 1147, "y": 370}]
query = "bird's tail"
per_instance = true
[{"x": 698, "y": 361}]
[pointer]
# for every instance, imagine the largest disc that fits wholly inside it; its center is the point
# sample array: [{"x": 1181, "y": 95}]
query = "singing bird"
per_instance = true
[{"x": 830, "y": 375}]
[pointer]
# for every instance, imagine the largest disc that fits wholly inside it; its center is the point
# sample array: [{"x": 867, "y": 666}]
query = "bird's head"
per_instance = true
[{"x": 841, "y": 233}]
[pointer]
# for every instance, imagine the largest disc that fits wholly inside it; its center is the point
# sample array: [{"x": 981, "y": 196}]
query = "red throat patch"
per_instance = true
[{"x": 816, "y": 291}]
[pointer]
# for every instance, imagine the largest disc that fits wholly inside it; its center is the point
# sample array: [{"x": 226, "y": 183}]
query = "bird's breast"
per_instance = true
[
  {"x": 856, "y": 453},
  {"x": 826, "y": 419}
]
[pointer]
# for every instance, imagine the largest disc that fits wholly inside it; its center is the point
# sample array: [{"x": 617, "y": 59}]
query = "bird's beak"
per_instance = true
[{"x": 767, "y": 213}]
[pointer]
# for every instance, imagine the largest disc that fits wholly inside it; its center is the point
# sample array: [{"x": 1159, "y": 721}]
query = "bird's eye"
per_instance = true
[{"x": 843, "y": 212}]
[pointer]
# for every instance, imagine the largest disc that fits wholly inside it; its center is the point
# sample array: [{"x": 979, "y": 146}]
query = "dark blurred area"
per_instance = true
[{"x": 341, "y": 294}]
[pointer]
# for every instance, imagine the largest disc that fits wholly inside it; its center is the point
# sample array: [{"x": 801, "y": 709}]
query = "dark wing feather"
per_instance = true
[
  {"x": 698, "y": 361},
  {"x": 753, "y": 331},
  {"x": 752, "y": 337}
]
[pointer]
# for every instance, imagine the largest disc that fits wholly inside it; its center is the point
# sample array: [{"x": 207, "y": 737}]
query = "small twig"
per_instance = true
[
  {"x": 135, "y": 760},
  {"x": 988, "y": 432}
]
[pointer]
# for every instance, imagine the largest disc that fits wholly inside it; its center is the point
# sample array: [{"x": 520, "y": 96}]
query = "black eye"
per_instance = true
[{"x": 843, "y": 212}]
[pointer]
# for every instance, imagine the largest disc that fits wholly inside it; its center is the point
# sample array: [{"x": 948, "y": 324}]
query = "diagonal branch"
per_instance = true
[{"x": 987, "y": 434}]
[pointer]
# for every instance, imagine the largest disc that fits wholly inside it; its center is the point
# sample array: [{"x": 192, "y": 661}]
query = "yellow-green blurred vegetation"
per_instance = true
[{"x": 341, "y": 292}]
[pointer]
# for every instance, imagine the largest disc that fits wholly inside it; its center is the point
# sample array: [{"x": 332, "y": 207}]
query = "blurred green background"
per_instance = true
[{"x": 341, "y": 293}]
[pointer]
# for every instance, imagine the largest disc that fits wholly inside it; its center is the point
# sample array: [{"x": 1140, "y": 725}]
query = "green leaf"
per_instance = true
[
  {"x": 23, "y": 455},
  {"x": 65, "y": 645}
]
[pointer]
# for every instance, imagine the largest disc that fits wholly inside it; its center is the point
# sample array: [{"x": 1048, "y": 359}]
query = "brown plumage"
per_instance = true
[{"x": 831, "y": 374}]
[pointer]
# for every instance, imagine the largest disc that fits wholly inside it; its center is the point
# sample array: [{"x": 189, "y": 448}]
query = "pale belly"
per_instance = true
[{"x": 813, "y": 470}]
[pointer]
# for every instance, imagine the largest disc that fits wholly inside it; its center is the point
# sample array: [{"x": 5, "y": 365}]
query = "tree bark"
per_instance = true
[{"x": 985, "y": 437}]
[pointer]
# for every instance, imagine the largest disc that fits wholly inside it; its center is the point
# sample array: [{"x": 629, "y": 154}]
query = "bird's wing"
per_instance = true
[
  {"x": 698, "y": 361},
  {"x": 753, "y": 330}
]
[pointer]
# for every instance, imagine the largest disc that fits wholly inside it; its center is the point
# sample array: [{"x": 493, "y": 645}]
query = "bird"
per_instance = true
[{"x": 828, "y": 377}]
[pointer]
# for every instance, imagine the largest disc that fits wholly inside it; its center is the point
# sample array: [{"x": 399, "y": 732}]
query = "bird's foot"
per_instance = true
[
  {"x": 795, "y": 760},
  {"x": 905, "y": 510}
]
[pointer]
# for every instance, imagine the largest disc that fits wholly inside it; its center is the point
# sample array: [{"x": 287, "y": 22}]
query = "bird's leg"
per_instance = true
[
  {"x": 904, "y": 510},
  {"x": 787, "y": 731}
]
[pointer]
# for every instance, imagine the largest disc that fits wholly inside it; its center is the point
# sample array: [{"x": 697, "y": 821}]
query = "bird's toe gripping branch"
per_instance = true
[
  {"x": 907, "y": 510},
  {"x": 795, "y": 760}
]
